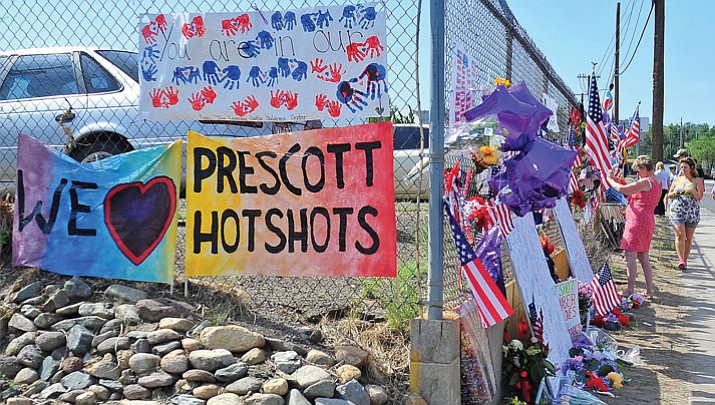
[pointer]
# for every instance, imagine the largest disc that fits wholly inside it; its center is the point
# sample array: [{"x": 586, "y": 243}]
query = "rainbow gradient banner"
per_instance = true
[
  {"x": 113, "y": 218},
  {"x": 308, "y": 204}
]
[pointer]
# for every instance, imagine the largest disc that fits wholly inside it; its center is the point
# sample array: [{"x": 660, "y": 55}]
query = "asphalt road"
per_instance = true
[{"x": 699, "y": 315}]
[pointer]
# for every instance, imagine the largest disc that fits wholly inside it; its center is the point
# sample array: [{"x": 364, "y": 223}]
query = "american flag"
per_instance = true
[
  {"x": 536, "y": 321},
  {"x": 634, "y": 132},
  {"x": 615, "y": 135},
  {"x": 500, "y": 214},
  {"x": 605, "y": 296},
  {"x": 596, "y": 137},
  {"x": 492, "y": 305},
  {"x": 573, "y": 177}
]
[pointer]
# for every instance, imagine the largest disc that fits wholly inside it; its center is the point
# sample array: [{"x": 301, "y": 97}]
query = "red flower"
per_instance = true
[
  {"x": 595, "y": 382},
  {"x": 624, "y": 320},
  {"x": 598, "y": 321},
  {"x": 578, "y": 198},
  {"x": 522, "y": 329}
]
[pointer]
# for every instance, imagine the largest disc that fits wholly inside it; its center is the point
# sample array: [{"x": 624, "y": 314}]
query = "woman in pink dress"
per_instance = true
[{"x": 643, "y": 195}]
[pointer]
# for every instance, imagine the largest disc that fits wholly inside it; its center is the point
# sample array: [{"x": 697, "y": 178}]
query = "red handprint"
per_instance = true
[
  {"x": 251, "y": 103},
  {"x": 372, "y": 46},
  {"x": 149, "y": 34},
  {"x": 195, "y": 28},
  {"x": 160, "y": 21},
  {"x": 354, "y": 52},
  {"x": 335, "y": 74},
  {"x": 291, "y": 100},
  {"x": 244, "y": 23},
  {"x": 238, "y": 108},
  {"x": 334, "y": 107},
  {"x": 321, "y": 100},
  {"x": 197, "y": 102},
  {"x": 172, "y": 95},
  {"x": 208, "y": 94},
  {"x": 277, "y": 98},
  {"x": 317, "y": 66},
  {"x": 155, "y": 96}
]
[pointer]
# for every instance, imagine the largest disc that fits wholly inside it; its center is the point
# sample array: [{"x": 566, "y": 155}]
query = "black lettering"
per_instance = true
[
  {"x": 46, "y": 225},
  {"x": 276, "y": 230},
  {"x": 23, "y": 221},
  {"x": 230, "y": 214},
  {"x": 251, "y": 215},
  {"x": 339, "y": 149},
  {"x": 272, "y": 190},
  {"x": 313, "y": 151},
  {"x": 244, "y": 170},
  {"x": 298, "y": 235},
  {"x": 358, "y": 33},
  {"x": 342, "y": 213},
  {"x": 324, "y": 41},
  {"x": 324, "y": 212},
  {"x": 284, "y": 172},
  {"x": 364, "y": 211},
  {"x": 283, "y": 51},
  {"x": 211, "y": 236},
  {"x": 225, "y": 169},
  {"x": 77, "y": 207},
  {"x": 369, "y": 168},
  {"x": 242, "y": 46},
  {"x": 201, "y": 173},
  {"x": 217, "y": 46}
]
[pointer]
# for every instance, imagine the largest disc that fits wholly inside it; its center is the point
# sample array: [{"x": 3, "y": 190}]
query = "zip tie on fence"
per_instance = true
[{"x": 255, "y": 7}]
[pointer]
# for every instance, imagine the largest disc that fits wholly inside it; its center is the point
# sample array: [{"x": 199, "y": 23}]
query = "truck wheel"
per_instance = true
[{"x": 100, "y": 149}]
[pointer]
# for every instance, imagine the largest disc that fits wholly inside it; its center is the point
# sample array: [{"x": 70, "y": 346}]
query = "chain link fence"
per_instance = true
[{"x": 486, "y": 29}]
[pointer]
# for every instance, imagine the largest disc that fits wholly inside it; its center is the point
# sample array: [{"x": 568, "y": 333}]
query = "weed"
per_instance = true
[{"x": 399, "y": 296}]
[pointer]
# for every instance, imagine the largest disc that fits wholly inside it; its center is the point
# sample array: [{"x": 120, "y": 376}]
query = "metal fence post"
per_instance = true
[{"x": 436, "y": 164}]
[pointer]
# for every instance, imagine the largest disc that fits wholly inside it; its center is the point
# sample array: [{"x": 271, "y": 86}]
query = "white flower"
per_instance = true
[{"x": 516, "y": 345}]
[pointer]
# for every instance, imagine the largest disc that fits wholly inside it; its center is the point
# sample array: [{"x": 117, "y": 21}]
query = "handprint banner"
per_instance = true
[
  {"x": 112, "y": 218},
  {"x": 287, "y": 65},
  {"x": 464, "y": 86},
  {"x": 317, "y": 203}
]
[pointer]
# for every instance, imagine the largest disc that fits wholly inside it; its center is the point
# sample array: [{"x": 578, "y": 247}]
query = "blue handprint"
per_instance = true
[
  {"x": 185, "y": 75},
  {"x": 307, "y": 21},
  {"x": 376, "y": 79},
  {"x": 284, "y": 66},
  {"x": 265, "y": 39},
  {"x": 231, "y": 75},
  {"x": 367, "y": 18},
  {"x": 151, "y": 54},
  {"x": 301, "y": 70},
  {"x": 350, "y": 96},
  {"x": 272, "y": 76},
  {"x": 324, "y": 19},
  {"x": 289, "y": 19},
  {"x": 211, "y": 72},
  {"x": 348, "y": 16},
  {"x": 254, "y": 76},
  {"x": 277, "y": 21},
  {"x": 251, "y": 50},
  {"x": 149, "y": 72}
]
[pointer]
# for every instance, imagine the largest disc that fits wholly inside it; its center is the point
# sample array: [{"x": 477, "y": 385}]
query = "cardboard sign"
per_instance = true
[
  {"x": 568, "y": 298},
  {"x": 113, "y": 218},
  {"x": 537, "y": 287},
  {"x": 575, "y": 251},
  {"x": 294, "y": 64},
  {"x": 313, "y": 203}
]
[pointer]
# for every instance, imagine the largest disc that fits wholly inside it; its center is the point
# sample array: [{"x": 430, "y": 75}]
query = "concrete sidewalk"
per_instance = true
[{"x": 698, "y": 319}]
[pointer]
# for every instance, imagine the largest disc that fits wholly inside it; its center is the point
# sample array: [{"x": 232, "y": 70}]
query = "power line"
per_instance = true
[{"x": 639, "y": 39}]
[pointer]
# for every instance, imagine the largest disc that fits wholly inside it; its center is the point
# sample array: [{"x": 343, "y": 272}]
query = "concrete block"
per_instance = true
[
  {"x": 438, "y": 384},
  {"x": 434, "y": 341},
  {"x": 434, "y": 361}
]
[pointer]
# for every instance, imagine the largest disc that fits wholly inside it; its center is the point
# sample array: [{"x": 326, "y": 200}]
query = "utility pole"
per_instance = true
[
  {"x": 658, "y": 76},
  {"x": 617, "y": 63}
]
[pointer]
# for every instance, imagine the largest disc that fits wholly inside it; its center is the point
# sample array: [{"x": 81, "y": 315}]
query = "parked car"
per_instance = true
[
  {"x": 406, "y": 157},
  {"x": 101, "y": 86}
]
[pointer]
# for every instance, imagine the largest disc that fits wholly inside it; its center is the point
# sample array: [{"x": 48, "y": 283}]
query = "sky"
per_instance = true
[{"x": 572, "y": 34}]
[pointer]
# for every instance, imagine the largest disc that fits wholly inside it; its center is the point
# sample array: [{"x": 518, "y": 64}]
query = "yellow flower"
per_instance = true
[
  {"x": 488, "y": 154},
  {"x": 616, "y": 379},
  {"x": 501, "y": 80}
]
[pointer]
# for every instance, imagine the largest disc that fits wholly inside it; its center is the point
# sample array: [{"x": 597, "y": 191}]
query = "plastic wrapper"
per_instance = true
[
  {"x": 478, "y": 382},
  {"x": 631, "y": 357},
  {"x": 602, "y": 340}
]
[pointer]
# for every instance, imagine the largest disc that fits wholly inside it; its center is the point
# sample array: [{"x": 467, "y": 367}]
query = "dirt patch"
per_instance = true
[{"x": 656, "y": 328}]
